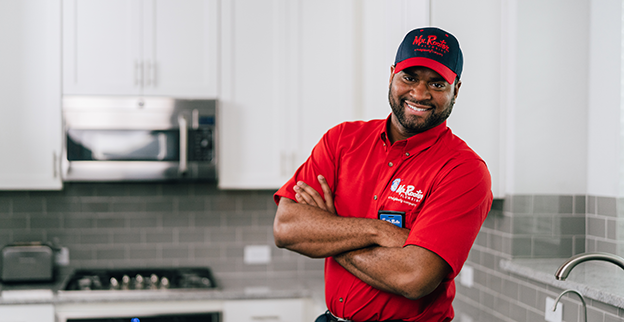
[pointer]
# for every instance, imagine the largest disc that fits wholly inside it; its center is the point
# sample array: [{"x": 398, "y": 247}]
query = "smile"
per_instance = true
[{"x": 417, "y": 109}]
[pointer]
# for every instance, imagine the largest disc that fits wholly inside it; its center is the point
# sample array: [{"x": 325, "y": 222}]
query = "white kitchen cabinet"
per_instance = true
[
  {"x": 292, "y": 69},
  {"x": 30, "y": 95},
  {"x": 27, "y": 313},
  {"x": 282, "y": 310},
  {"x": 140, "y": 47}
]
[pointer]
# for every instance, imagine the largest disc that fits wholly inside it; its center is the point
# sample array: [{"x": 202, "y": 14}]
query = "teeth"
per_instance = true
[{"x": 416, "y": 108}]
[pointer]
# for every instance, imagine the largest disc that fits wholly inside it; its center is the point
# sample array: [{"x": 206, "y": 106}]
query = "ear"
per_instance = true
[
  {"x": 391, "y": 74},
  {"x": 457, "y": 86}
]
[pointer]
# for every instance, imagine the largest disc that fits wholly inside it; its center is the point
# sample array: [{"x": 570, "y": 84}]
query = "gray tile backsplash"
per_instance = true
[
  {"x": 539, "y": 226},
  {"x": 151, "y": 224}
]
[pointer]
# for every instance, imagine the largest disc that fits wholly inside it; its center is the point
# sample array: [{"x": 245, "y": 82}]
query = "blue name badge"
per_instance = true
[{"x": 396, "y": 218}]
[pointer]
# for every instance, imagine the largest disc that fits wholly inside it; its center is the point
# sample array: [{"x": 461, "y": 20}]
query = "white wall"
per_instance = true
[{"x": 604, "y": 137}]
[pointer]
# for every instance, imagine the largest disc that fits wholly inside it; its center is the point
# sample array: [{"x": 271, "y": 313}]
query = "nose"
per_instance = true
[{"x": 420, "y": 91}]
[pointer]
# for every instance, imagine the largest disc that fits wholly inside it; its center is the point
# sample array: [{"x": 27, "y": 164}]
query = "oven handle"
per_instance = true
[{"x": 183, "y": 167}]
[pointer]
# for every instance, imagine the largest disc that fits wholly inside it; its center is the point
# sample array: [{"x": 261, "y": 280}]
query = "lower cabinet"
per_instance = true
[
  {"x": 282, "y": 310},
  {"x": 27, "y": 313}
]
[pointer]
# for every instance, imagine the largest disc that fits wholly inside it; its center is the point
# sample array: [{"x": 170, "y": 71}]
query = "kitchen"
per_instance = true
[{"x": 556, "y": 164}]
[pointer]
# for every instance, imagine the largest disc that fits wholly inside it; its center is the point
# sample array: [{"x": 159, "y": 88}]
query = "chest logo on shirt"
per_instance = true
[{"x": 405, "y": 193}]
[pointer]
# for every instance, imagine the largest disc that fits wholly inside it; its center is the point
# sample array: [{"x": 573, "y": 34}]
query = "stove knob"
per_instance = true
[
  {"x": 164, "y": 282},
  {"x": 114, "y": 283},
  {"x": 153, "y": 281},
  {"x": 125, "y": 282},
  {"x": 138, "y": 282}
]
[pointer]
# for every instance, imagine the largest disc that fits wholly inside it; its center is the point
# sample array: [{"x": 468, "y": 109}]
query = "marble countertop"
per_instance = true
[
  {"x": 596, "y": 280},
  {"x": 229, "y": 287}
]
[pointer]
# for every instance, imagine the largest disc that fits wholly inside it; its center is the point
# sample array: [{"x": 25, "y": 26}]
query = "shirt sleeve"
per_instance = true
[
  {"x": 320, "y": 162},
  {"x": 454, "y": 212}
]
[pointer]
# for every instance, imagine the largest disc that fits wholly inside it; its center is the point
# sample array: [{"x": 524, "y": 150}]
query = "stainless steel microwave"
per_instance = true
[{"x": 139, "y": 139}]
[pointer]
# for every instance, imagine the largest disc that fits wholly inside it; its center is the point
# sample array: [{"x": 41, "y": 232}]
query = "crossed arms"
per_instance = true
[{"x": 370, "y": 249}]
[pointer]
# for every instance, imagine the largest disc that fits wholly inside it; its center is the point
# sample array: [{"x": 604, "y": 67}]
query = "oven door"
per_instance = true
[
  {"x": 138, "y": 139},
  {"x": 158, "y": 311}
]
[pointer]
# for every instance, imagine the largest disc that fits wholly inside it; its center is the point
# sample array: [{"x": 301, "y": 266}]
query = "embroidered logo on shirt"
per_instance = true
[{"x": 405, "y": 193}]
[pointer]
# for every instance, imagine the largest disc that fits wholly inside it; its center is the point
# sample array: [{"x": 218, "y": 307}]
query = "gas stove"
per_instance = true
[{"x": 140, "y": 279}]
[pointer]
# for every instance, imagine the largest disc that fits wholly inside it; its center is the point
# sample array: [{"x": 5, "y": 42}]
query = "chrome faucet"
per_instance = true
[
  {"x": 575, "y": 292},
  {"x": 564, "y": 270}
]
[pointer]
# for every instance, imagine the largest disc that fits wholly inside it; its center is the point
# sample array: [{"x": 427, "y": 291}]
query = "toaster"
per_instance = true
[{"x": 27, "y": 262}]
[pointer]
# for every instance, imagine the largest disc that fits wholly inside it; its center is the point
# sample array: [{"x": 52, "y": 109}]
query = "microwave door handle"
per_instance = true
[{"x": 183, "y": 167}]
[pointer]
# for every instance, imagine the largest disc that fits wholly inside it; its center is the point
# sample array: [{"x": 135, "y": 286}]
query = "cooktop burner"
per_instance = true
[{"x": 140, "y": 279}]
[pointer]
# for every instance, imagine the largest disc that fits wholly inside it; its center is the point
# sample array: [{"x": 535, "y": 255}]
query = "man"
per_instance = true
[{"x": 430, "y": 190}]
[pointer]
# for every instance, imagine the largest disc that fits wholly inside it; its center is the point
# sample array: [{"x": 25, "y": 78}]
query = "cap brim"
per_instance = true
[{"x": 444, "y": 71}]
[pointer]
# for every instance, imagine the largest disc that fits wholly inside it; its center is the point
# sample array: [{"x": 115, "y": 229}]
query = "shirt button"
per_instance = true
[
  {"x": 390, "y": 164},
  {"x": 375, "y": 197},
  {"x": 340, "y": 300},
  {"x": 407, "y": 154}
]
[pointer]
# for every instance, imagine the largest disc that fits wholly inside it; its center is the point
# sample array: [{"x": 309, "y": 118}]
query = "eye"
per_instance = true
[
  {"x": 409, "y": 78},
  {"x": 438, "y": 85}
]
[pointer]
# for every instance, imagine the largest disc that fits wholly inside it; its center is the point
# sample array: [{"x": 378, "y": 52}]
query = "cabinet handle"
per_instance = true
[
  {"x": 183, "y": 167},
  {"x": 266, "y": 318},
  {"x": 148, "y": 73},
  {"x": 54, "y": 165}
]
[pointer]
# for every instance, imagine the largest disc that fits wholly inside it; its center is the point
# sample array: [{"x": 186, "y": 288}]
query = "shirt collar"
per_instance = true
[{"x": 418, "y": 142}]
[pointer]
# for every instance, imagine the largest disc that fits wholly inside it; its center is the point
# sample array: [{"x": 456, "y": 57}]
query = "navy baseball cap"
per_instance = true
[{"x": 433, "y": 48}]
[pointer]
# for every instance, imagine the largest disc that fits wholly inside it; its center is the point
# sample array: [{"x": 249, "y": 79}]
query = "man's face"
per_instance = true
[{"x": 420, "y": 99}]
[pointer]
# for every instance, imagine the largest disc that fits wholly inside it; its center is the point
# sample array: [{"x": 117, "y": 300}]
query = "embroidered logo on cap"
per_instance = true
[{"x": 431, "y": 44}]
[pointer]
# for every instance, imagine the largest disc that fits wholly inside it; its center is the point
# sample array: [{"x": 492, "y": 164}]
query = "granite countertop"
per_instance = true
[
  {"x": 228, "y": 288},
  {"x": 596, "y": 280}
]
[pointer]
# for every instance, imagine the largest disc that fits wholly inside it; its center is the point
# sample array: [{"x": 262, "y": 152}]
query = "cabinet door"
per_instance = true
[
  {"x": 27, "y": 313},
  {"x": 254, "y": 91},
  {"x": 30, "y": 95},
  {"x": 291, "y": 310},
  {"x": 180, "y": 48},
  {"x": 101, "y": 47}
]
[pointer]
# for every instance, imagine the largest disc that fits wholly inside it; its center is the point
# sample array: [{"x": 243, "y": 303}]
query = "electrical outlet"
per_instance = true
[
  {"x": 257, "y": 254},
  {"x": 549, "y": 314},
  {"x": 466, "y": 276}
]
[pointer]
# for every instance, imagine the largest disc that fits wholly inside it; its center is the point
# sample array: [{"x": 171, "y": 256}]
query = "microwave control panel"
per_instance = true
[{"x": 201, "y": 140}]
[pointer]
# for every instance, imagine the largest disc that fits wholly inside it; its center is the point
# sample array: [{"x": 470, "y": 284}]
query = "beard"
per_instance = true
[{"x": 415, "y": 125}]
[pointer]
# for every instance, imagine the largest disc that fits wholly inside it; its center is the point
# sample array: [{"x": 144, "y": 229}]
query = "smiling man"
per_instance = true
[{"x": 393, "y": 205}]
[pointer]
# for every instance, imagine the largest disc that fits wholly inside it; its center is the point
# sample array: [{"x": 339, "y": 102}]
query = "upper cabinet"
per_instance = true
[
  {"x": 30, "y": 95},
  {"x": 140, "y": 47},
  {"x": 292, "y": 69}
]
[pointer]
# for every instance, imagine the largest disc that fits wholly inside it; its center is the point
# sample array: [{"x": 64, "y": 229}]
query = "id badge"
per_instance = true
[{"x": 396, "y": 218}]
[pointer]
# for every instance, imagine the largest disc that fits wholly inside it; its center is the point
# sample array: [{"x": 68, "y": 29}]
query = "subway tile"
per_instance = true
[
  {"x": 127, "y": 206},
  {"x": 522, "y": 204},
  {"x": 511, "y": 289},
  {"x": 71, "y": 222},
  {"x": 92, "y": 237},
  {"x": 176, "y": 189},
  {"x": 5, "y": 205},
  {"x": 28, "y": 205},
  {"x": 502, "y": 306},
  {"x": 208, "y": 252},
  {"x": 142, "y": 189},
  {"x": 546, "y": 204},
  {"x": 95, "y": 206},
  {"x": 223, "y": 235},
  {"x": 591, "y": 205},
  {"x": 524, "y": 225},
  {"x": 223, "y": 203},
  {"x": 192, "y": 236},
  {"x": 517, "y": 313},
  {"x": 605, "y": 307},
  {"x": 612, "y": 318},
  {"x": 534, "y": 316},
  {"x": 606, "y": 246},
  {"x": 159, "y": 237},
  {"x": 612, "y": 228},
  {"x": 208, "y": 219},
  {"x": 594, "y": 315},
  {"x": 159, "y": 206},
  {"x": 140, "y": 222},
  {"x": 596, "y": 227},
  {"x": 111, "y": 253},
  {"x": 80, "y": 253},
  {"x": 572, "y": 225},
  {"x": 63, "y": 205},
  {"x": 521, "y": 246},
  {"x": 527, "y": 295},
  {"x": 606, "y": 206},
  {"x": 579, "y": 244},
  {"x": 171, "y": 252},
  {"x": 142, "y": 252},
  {"x": 580, "y": 204},
  {"x": 110, "y": 222},
  {"x": 566, "y": 204},
  {"x": 191, "y": 204},
  {"x": 260, "y": 235},
  {"x": 504, "y": 224},
  {"x": 45, "y": 222},
  {"x": 494, "y": 283},
  {"x": 570, "y": 309},
  {"x": 552, "y": 247},
  {"x": 14, "y": 222},
  {"x": 127, "y": 237},
  {"x": 29, "y": 236},
  {"x": 238, "y": 219}
]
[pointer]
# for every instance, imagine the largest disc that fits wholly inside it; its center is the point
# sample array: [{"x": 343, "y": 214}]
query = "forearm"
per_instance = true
[
  {"x": 317, "y": 233},
  {"x": 410, "y": 271}
]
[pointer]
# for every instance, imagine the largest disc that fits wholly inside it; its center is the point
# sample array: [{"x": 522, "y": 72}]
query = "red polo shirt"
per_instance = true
[{"x": 443, "y": 187}]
